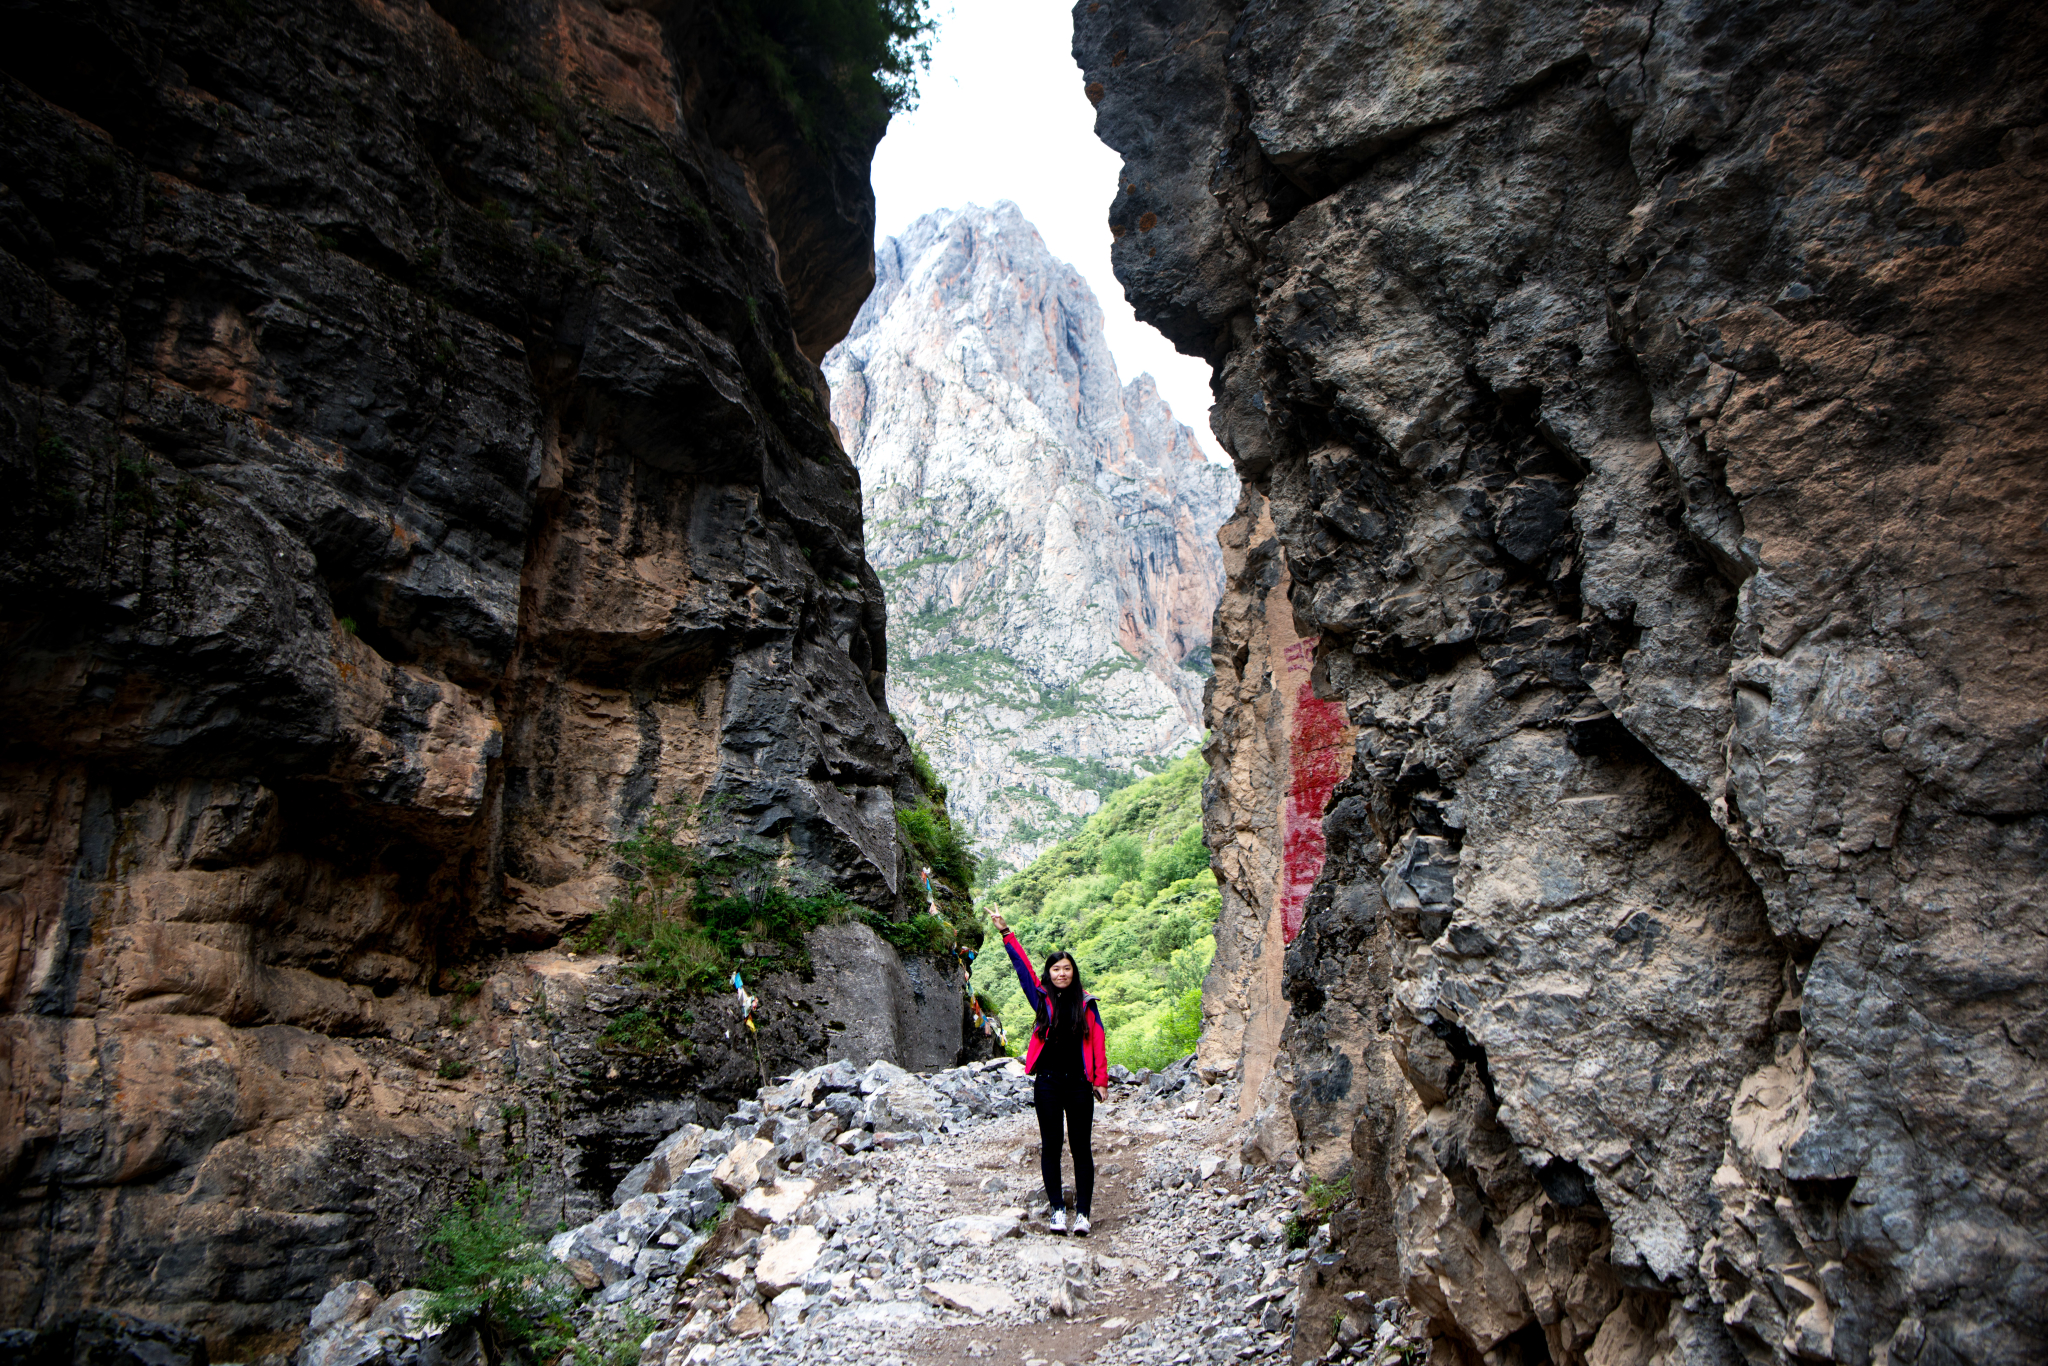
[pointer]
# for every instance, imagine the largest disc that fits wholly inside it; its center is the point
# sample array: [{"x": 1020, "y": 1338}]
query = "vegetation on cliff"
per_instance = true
[
  {"x": 1131, "y": 896},
  {"x": 841, "y": 66},
  {"x": 692, "y": 897}
]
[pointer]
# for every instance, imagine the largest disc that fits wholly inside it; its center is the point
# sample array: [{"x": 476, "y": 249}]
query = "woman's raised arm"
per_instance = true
[{"x": 1021, "y": 962}]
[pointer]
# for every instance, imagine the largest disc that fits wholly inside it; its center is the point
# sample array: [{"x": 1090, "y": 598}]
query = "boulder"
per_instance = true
[
  {"x": 974, "y": 1297},
  {"x": 406, "y": 1313},
  {"x": 851, "y": 1205},
  {"x": 844, "y": 1106},
  {"x": 659, "y": 1169},
  {"x": 879, "y": 1074},
  {"x": 903, "y": 1103},
  {"x": 973, "y": 1230},
  {"x": 747, "y": 1321},
  {"x": 785, "y": 1263},
  {"x": 352, "y": 1326},
  {"x": 837, "y": 1076},
  {"x": 739, "y": 1171},
  {"x": 773, "y": 1204},
  {"x": 348, "y": 1303}
]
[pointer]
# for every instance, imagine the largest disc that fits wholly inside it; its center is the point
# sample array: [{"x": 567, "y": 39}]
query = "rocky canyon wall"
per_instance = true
[
  {"x": 1045, "y": 532},
  {"x": 1638, "y": 411},
  {"x": 415, "y": 465}
]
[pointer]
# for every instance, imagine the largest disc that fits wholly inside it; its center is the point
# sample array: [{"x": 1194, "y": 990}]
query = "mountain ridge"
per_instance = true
[{"x": 1044, "y": 531}]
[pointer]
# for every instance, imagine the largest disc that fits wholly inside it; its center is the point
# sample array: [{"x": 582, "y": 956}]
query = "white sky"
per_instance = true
[{"x": 1001, "y": 115}]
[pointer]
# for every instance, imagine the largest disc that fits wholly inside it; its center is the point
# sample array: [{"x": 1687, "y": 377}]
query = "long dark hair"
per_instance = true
[{"x": 1060, "y": 1011}]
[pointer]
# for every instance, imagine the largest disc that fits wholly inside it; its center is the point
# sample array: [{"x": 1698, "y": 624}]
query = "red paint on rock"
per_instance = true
[{"x": 1316, "y": 752}]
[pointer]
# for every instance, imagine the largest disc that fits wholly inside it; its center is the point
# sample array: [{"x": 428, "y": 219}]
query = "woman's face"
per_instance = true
[{"x": 1061, "y": 974}]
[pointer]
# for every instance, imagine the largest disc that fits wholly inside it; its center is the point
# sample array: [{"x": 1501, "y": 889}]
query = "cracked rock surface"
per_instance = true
[{"x": 1627, "y": 730}]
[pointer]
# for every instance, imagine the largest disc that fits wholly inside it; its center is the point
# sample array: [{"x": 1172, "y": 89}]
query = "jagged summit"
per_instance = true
[{"x": 1046, "y": 533}]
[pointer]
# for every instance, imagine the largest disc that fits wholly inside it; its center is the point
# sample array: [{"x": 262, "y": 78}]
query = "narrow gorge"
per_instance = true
[{"x": 486, "y": 517}]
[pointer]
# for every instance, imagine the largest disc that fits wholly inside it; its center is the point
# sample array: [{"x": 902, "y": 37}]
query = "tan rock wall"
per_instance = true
[
  {"x": 416, "y": 466},
  {"x": 1276, "y": 752}
]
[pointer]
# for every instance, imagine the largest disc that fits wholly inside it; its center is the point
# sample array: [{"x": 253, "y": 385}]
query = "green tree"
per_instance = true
[
  {"x": 1186, "y": 857},
  {"x": 484, "y": 1267},
  {"x": 1122, "y": 857},
  {"x": 841, "y": 67}
]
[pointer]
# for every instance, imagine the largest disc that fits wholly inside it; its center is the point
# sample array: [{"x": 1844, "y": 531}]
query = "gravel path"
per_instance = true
[{"x": 936, "y": 1252}]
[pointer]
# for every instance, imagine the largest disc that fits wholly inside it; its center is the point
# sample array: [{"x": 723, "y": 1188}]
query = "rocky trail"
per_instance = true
[{"x": 882, "y": 1216}]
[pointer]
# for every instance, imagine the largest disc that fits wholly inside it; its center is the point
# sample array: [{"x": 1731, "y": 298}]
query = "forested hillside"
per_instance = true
[{"x": 1132, "y": 898}]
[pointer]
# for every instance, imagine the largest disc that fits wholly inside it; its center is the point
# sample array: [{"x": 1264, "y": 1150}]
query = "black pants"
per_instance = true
[{"x": 1069, "y": 1100}]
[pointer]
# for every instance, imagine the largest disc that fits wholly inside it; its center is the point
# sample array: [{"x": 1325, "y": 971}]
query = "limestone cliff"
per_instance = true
[
  {"x": 1046, "y": 536},
  {"x": 1629, "y": 742},
  {"x": 415, "y": 465}
]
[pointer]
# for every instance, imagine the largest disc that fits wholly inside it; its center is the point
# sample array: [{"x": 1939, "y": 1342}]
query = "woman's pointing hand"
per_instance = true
[{"x": 1002, "y": 925}]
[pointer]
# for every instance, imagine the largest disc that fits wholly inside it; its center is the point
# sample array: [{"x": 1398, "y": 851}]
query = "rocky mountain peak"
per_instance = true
[{"x": 1045, "y": 533}]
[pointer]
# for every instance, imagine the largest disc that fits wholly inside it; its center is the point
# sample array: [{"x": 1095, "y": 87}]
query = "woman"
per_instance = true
[{"x": 1069, "y": 1066}]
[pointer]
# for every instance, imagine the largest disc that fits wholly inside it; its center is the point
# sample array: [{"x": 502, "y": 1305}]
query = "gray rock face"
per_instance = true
[
  {"x": 883, "y": 1005},
  {"x": 99, "y": 1337},
  {"x": 415, "y": 465},
  {"x": 1639, "y": 449},
  {"x": 1046, "y": 536}
]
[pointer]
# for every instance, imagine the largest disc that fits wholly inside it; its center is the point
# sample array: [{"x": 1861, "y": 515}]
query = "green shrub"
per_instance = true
[
  {"x": 452, "y": 1069},
  {"x": 1171, "y": 1037},
  {"x": 485, "y": 1267},
  {"x": 1159, "y": 810},
  {"x": 617, "y": 1344},
  {"x": 712, "y": 1221},
  {"x": 1175, "y": 933},
  {"x": 690, "y": 903},
  {"x": 1186, "y": 857},
  {"x": 665, "y": 947},
  {"x": 1145, "y": 942},
  {"x": 1324, "y": 1196},
  {"x": 919, "y": 934},
  {"x": 1188, "y": 966},
  {"x": 774, "y": 914},
  {"x": 637, "y": 1031},
  {"x": 939, "y": 843},
  {"x": 921, "y": 767}
]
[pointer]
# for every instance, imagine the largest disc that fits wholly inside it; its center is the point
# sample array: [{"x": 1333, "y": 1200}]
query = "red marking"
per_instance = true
[{"x": 1316, "y": 754}]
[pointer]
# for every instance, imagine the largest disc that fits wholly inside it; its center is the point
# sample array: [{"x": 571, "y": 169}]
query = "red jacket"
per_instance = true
[{"x": 1094, "y": 1044}]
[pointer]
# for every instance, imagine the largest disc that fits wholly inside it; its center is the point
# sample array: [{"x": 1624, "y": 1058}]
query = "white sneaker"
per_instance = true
[
  {"x": 1059, "y": 1221},
  {"x": 1080, "y": 1226}
]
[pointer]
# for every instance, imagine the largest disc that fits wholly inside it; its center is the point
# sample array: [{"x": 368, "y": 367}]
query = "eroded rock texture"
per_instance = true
[
  {"x": 415, "y": 465},
  {"x": 1642, "y": 399}
]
